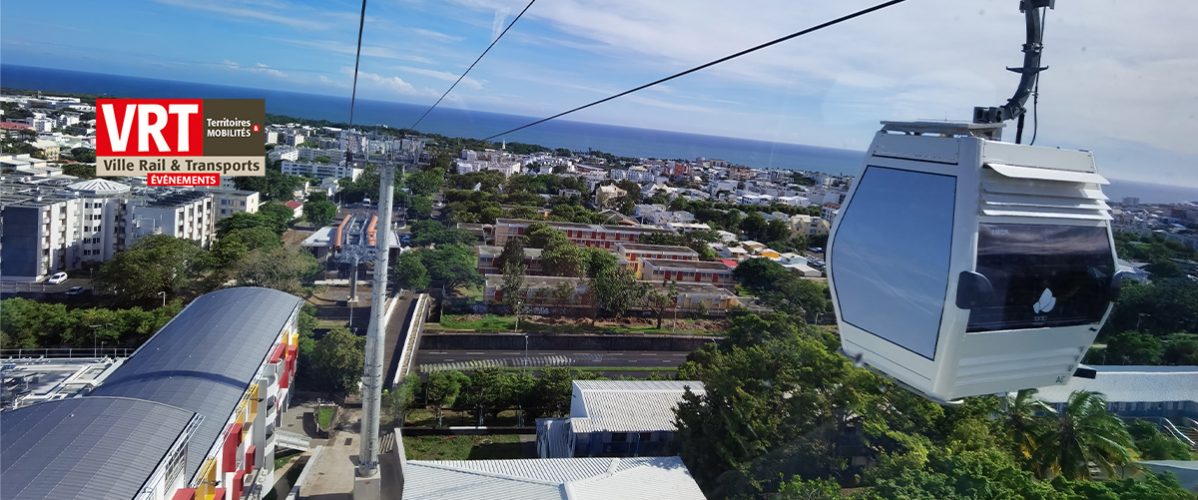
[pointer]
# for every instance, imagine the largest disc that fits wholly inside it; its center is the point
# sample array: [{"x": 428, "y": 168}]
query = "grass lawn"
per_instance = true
[
  {"x": 324, "y": 416},
  {"x": 500, "y": 323},
  {"x": 497, "y": 446}
]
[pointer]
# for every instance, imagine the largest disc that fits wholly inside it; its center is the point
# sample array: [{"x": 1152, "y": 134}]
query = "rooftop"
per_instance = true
[
  {"x": 90, "y": 447},
  {"x": 551, "y": 479},
  {"x": 494, "y": 251},
  {"x": 642, "y": 247},
  {"x": 1147, "y": 384},
  {"x": 205, "y": 358},
  {"x": 629, "y": 405},
  {"x": 713, "y": 265}
]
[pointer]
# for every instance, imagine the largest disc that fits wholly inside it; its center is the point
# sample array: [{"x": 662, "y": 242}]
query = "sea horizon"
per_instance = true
[{"x": 455, "y": 122}]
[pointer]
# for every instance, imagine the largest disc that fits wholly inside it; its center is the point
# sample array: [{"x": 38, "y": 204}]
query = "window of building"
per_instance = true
[{"x": 619, "y": 437}]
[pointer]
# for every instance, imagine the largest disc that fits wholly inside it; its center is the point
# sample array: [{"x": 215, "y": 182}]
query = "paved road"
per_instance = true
[{"x": 428, "y": 360}]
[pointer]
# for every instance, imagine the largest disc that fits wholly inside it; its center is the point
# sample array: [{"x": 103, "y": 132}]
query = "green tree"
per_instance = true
[
  {"x": 320, "y": 213},
  {"x": 661, "y": 300},
  {"x": 598, "y": 260},
  {"x": 617, "y": 291},
  {"x": 1156, "y": 445},
  {"x": 489, "y": 392},
  {"x": 513, "y": 289},
  {"x": 563, "y": 258},
  {"x": 1134, "y": 348},
  {"x": 398, "y": 402},
  {"x": 1085, "y": 432},
  {"x": 155, "y": 264},
  {"x": 539, "y": 234},
  {"x": 235, "y": 244},
  {"x": 552, "y": 391},
  {"x": 286, "y": 269},
  {"x": 1158, "y": 308},
  {"x": 443, "y": 389},
  {"x": 338, "y": 358},
  {"x": 451, "y": 265},
  {"x": 278, "y": 214},
  {"x": 1022, "y": 424},
  {"x": 1181, "y": 349},
  {"x": 410, "y": 272},
  {"x": 420, "y": 207},
  {"x": 513, "y": 253}
]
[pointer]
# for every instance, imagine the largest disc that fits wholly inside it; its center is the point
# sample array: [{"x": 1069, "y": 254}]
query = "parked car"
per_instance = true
[
  {"x": 57, "y": 278},
  {"x": 76, "y": 290}
]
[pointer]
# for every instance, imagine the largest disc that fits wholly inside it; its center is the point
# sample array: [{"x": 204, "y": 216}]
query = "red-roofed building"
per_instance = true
[{"x": 296, "y": 207}]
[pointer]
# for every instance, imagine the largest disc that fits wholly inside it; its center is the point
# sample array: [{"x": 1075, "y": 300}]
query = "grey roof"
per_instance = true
[
  {"x": 551, "y": 479},
  {"x": 629, "y": 405},
  {"x": 89, "y": 447},
  {"x": 1132, "y": 384},
  {"x": 205, "y": 358}
]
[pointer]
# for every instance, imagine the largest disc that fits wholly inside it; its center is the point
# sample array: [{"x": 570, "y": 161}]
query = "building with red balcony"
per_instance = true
[
  {"x": 663, "y": 270},
  {"x": 190, "y": 415},
  {"x": 632, "y": 254}
]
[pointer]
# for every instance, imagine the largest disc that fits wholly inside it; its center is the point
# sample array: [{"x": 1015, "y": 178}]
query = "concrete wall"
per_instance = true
[{"x": 486, "y": 341}]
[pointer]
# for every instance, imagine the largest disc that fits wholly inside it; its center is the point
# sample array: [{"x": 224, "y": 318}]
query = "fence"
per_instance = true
[{"x": 67, "y": 352}]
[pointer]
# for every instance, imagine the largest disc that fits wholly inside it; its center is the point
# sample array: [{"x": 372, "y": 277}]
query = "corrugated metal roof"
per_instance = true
[
  {"x": 89, "y": 447},
  {"x": 630, "y": 406},
  {"x": 205, "y": 358},
  {"x": 551, "y": 479},
  {"x": 1132, "y": 384}
]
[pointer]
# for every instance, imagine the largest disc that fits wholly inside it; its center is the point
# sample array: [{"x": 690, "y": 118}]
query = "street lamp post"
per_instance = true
[
  {"x": 163, "y": 294},
  {"x": 95, "y": 349},
  {"x": 525, "y": 372}
]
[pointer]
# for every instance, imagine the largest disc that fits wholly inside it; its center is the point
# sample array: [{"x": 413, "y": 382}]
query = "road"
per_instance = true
[{"x": 428, "y": 360}]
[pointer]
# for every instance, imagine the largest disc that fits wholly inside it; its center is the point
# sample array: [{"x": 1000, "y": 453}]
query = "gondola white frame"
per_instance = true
[{"x": 975, "y": 363}]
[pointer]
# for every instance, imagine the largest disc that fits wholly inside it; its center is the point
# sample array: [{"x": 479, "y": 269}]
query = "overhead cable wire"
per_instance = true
[
  {"x": 726, "y": 58},
  {"x": 1036, "y": 90},
  {"x": 353, "y": 96},
  {"x": 479, "y": 58}
]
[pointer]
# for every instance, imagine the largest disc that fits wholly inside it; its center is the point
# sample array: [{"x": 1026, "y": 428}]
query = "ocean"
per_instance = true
[{"x": 577, "y": 136}]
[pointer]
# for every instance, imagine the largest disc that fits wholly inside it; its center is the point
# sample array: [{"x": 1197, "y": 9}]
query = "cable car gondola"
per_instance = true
[{"x": 962, "y": 265}]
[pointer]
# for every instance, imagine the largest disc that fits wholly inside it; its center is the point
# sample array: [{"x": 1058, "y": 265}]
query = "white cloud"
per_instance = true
[
  {"x": 258, "y": 68},
  {"x": 257, "y": 14},
  {"x": 445, "y": 76},
  {"x": 1119, "y": 70},
  {"x": 345, "y": 48}
]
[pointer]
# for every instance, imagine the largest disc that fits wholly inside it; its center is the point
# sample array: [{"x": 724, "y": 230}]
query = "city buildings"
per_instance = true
[
  {"x": 51, "y": 226},
  {"x": 570, "y": 296},
  {"x": 591, "y": 235},
  {"x": 334, "y": 168},
  {"x": 477, "y": 161},
  {"x": 632, "y": 254},
  {"x": 621, "y": 418},
  {"x": 697, "y": 271},
  {"x": 488, "y": 254},
  {"x": 190, "y": 415}
]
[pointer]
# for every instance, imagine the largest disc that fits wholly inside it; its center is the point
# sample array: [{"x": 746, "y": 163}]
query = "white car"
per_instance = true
[{"x": 57, "y": 278}]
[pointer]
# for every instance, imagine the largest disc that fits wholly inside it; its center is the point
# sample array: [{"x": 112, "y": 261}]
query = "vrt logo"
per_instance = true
[{"x": 1046, "y": 302}]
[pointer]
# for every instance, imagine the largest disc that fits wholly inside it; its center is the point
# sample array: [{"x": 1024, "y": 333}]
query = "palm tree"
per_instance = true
[
  {"x": 1023, "y": 421},
  {"x": 1084, "y": 433}
]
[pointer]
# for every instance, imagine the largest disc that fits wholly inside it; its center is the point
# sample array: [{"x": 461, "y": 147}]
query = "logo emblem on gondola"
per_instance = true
[{"x": 1046, "y": 302}]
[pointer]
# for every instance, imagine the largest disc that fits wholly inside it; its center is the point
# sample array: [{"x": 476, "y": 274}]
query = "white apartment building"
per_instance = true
[
  {"x": 227, "y": 202},
  {"x": 319, "y": 170},
  {"x": 188, "y": 215}
]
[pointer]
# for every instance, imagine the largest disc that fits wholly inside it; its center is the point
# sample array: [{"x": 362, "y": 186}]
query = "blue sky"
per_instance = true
[{"x": 1123, "y": 80}]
